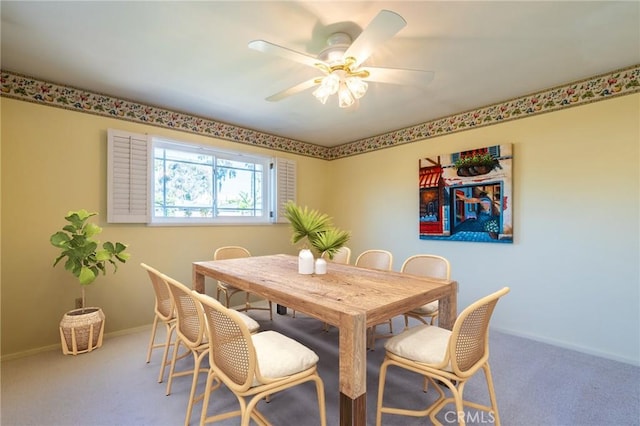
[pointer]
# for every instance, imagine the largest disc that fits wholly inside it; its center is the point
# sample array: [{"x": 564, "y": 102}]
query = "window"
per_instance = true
[
  {"x": 194, "y": 184},
  {"x": 202, "y": 184}
]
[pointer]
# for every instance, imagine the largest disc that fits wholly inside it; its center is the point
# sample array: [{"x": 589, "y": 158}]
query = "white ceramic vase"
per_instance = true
[
  {"x": 321, "y": 266},
  {"x": 305, "y": 262}
]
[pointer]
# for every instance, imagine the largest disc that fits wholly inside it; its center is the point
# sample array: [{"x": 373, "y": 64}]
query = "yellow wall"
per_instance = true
[
  {"x": 573, "y": 267},
  {"x": 53, "y": 161}
]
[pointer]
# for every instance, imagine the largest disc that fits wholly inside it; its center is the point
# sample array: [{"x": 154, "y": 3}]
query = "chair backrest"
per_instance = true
[
  {"x": 165, "y": 307},
  {"x": 233, "y": 357},
  {"x": 191, "y": 323},
  {"x": 427, "y": 265},
  {"x": 469, "y": 342},
  {"x": 230, "y": 252},
  {"x": 375, "y": 259},
  {"x": 343, "y": 255}
]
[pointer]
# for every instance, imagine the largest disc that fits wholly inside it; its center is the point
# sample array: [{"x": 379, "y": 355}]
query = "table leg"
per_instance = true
[
  {"x": 448, "y": 308},
  {"x": 353, "y": 412},
  {"x": 353, "y": 369},
  {"x": 198, "y": 281}
]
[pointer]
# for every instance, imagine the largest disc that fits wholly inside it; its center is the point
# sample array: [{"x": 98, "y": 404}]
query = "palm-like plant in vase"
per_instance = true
[{"x": 315, "y": 229}]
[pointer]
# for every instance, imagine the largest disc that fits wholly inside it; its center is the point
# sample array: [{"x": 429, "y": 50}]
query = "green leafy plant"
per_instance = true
[
  {"x": 316, "y": 228},
  {"x": 486, "y": 160},
  {"x": 83, "y": 257}
]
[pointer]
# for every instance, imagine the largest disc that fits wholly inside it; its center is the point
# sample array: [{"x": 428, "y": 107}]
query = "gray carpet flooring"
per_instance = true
[{"x": 536, "y": 384}]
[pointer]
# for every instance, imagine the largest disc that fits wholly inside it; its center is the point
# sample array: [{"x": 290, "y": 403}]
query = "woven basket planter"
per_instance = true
[{"x": 81, "y": 332}]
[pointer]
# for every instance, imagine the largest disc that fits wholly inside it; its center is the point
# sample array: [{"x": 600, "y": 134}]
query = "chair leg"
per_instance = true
[
  {"x": 247, "y": 304},
  {"x": 173, "y": 365},
  {"x": 153, "y": 338},
  {"x": 457, "y": 397},
  {"x": 170, "y": 329},
  {"x": 381, "y": 383},
  {"x": 227, "y": 298},
  {"x": 372, "y": 340},
  {"x": 492, "y": 393},
  {"x": 321, "y": 401},
  {"x": 194, "y": 384},
  {"x": 207, "y": 395}
]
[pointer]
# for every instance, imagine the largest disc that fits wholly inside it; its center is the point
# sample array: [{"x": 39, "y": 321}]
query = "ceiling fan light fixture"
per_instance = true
[
  {"x": 345, "y": 97},
  {"x": 329, "y": 85},
  {"x": 357, "y": 86},
  {"x": 321, "y": 95},
  {"x": 341, "y": 60},
  {"x": 349, "y": 87}
]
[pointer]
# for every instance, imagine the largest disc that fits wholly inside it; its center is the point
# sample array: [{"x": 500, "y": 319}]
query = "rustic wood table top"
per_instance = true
[{"x": 348, "y": 297}]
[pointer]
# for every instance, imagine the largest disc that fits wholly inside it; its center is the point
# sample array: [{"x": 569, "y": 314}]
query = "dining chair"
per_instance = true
[
  {"x": 343, "y": 255},
  {"x": 376, "y": 259},
  {"x": 447, "y": 357},
  {"x": 426, "y": 265},
  {"x": 253, "y": 366},
  {"x": 165, "y": 313},
  {"x": 191, "y": 333},
  {"x": 234, "y": 252}
]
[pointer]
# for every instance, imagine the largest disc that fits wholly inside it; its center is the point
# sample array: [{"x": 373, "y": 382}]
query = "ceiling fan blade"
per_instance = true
[
  {"x": 293, "y": 90},
  {"x": 400, "y": 76},
  {"x": 284, "y": 52},
  {"x": 384, "y": 26}
]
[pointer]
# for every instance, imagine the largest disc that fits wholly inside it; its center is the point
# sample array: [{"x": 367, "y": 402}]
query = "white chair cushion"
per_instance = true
[
  {"x": 422, "y": 343},
  {"x": 427, "y": 309},
  {"x": 252, "y": 324},
  {"x": 280, "y": 356}
]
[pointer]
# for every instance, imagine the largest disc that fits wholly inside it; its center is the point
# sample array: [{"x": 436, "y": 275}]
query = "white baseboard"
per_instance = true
[
  {"x": 57, "y": 346},
  {"x": 577, "y": 348}
]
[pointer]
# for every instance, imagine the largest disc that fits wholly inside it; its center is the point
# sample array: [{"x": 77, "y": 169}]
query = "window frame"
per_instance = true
[
  {"x": 130, "y": 191},
  {"x": 216, "y": 153}
]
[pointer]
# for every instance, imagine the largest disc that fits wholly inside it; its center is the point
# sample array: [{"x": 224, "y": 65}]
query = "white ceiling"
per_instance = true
[{"x": 192, "y": 57}]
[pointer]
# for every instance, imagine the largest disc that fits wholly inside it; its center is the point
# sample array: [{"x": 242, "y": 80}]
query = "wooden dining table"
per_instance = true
[{"x": 348, "y": 297}]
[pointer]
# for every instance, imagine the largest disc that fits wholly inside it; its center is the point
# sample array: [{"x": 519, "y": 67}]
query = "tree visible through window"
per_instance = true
[{"x": 196, "y": 182}]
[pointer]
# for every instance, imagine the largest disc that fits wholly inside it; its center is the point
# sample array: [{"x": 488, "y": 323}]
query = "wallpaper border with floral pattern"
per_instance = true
[{"x": 616, "y": 83}]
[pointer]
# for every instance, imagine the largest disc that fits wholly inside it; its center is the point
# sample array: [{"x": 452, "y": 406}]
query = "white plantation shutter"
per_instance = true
[
  {"x": 285, "y": 187},
  {"x": 128, "y": 177}
]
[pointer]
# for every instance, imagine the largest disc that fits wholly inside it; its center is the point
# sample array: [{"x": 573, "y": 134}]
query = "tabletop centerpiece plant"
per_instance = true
[
  {"x": 318, "y": 236},
  {"x": 86, "y": 260}
]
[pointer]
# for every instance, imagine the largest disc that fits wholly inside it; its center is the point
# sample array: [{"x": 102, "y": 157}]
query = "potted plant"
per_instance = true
[
  {"x": 85, "y": 260},
  {"x": 474, "y": 165},
  {"x": 318, "y": 231}
]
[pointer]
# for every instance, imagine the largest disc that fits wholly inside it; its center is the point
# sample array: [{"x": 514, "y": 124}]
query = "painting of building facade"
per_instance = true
[{"x": 467, "y": 196}]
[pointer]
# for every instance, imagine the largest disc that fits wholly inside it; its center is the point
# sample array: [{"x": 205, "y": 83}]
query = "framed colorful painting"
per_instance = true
[{"x": 467, "y": 196}]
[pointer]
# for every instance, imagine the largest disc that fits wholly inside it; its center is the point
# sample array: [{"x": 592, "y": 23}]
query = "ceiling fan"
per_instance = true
[{"x": 342, "y": 63}]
